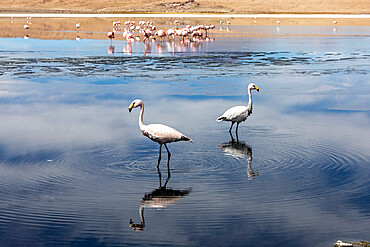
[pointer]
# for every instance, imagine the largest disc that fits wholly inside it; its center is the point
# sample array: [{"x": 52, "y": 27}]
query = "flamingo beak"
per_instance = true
[
  {"x": 257, "y": 88},
  {"x": 130, "y": 107}
]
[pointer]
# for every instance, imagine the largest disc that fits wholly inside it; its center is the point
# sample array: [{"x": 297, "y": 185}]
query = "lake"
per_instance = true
[{"x": 75, "y": 170}]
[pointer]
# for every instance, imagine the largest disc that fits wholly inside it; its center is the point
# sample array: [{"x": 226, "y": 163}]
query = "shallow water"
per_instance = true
[{"x": 75, "y": 168}]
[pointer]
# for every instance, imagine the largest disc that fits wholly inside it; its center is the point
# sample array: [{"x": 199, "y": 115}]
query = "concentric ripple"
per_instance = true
[{"x": 318, "y": 168}]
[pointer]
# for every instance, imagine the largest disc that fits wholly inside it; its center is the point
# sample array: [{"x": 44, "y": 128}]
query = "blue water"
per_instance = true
[{"x": 74, "y": 167}]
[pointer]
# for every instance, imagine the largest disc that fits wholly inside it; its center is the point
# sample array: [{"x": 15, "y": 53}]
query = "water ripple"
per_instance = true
[{"x": 200, "y": 64}]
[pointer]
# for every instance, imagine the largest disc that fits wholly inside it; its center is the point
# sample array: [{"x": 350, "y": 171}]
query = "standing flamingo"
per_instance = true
[
  {"x": 238, "y": 114},
  {"x": 161, "y": 34},
  {"x": 110, "y": 35},
  {"x": 159, "y": 133}
]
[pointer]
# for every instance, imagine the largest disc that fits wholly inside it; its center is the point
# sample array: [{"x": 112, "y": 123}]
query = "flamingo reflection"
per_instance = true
[
  {"x": 128, "y": 48},
  {"x": 110, "y": 49},
  {"x": 238, "y": 149},
  {"x": 147, "y": 48},
  {"x": 159, "y": 198}
]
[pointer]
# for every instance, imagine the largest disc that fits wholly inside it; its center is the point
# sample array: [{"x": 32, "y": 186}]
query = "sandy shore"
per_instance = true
[
  {"x": 181, "y": 15},
  {"x": 189, "y": 6}
]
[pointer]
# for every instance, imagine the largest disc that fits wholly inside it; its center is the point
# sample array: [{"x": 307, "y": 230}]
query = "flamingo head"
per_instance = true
[
  {"x": 134, "y": 104},
  {"x": 253, "y": 86}
]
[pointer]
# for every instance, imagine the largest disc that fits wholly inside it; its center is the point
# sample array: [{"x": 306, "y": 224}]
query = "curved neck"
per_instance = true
[
  {"x": 141, "y": 122},
  {"x": 250, "y": 96}
]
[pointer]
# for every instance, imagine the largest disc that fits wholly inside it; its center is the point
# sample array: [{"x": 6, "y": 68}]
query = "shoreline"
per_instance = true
[{"x": 182, "y": 15}]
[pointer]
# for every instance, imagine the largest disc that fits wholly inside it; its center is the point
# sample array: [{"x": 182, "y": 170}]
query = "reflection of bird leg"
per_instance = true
[
  {"x": 168, "y": 172},
  {"x": 232, "y": 123}
]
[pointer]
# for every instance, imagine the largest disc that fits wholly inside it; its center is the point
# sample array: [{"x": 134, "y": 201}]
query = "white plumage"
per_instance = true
[{"x": 238, "y": 114}]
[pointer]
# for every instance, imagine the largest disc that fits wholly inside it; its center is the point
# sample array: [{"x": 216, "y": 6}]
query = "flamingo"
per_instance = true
[
  {"x": 159, "y": 133},
  {"x": 78, "y": 25},
  {"x": 26, "y": 26},
  {"x": 110, "y": 35},
  {"x": 238, "y": 114},
  {"x": 147, "y": 34},
  {"x": 171, "y": 32},
  {"x": 161, "y": 34}
]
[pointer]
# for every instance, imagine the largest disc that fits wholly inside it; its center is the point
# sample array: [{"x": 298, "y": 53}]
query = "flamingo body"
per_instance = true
[
  {"x": 236, "y": 114},
  {"x": 163, "y": 134}
]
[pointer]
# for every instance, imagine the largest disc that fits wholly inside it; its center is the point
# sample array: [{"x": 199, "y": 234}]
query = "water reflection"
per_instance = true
[
  {"x": 160, "y": 47},
  {"x": 128, "y": 48},
  {"x": 147, "y": 48},
  {"x": 158, "y": 198},
  {"x": 238, "y": 149},
  {"x": 110, "y": 49}
]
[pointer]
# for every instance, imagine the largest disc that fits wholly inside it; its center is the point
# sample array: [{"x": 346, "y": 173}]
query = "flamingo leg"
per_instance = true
[
  {"x": 159, "y": 176},
  {"x": 160, "y": 151},
  {"x": 232, "y": 123},
  {"x": 232, "y": 138},
  {"x": 237, "y": 137},
  {"x": 168, "y": 151},
  {"x": 237, "y": 126}
]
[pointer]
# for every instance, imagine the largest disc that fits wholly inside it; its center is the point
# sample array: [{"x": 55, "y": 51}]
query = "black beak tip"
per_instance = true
[
  {"x": 258, "y": 90},
  {"x": 129, "y": 110}
]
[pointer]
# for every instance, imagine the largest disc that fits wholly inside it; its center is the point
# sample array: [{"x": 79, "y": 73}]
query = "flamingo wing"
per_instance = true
[
  {"x": 236, "y": 114},
  {"x": 163, "y": 134}
]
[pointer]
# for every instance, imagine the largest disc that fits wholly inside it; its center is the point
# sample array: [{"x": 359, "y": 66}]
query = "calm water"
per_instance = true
[{"x": 74, "y": 167}]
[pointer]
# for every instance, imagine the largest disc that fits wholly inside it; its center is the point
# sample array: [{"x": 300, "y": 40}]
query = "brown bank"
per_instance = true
[{"x": 189, "y": 6}]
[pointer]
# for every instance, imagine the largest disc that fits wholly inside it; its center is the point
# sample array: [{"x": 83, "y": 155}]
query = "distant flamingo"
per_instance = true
[
  {"x": 78, "y": 25},
  {"x": 26, "y": 26},
  {"x": 171, "y": 32},
  {"x": 147, "y": 34},
  {"x": 159, "y": 133},
  {"x": 110, "y": 35},
  {"x": 161, "y": 34}
]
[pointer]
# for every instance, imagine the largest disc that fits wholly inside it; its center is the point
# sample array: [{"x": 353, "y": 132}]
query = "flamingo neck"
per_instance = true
[
  {"x": 250, "y": 97},
  {"x": 141, "y": 116}
]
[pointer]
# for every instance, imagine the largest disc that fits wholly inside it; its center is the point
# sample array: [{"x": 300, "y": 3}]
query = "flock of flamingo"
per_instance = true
[{"x": 146, "y": 31}]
